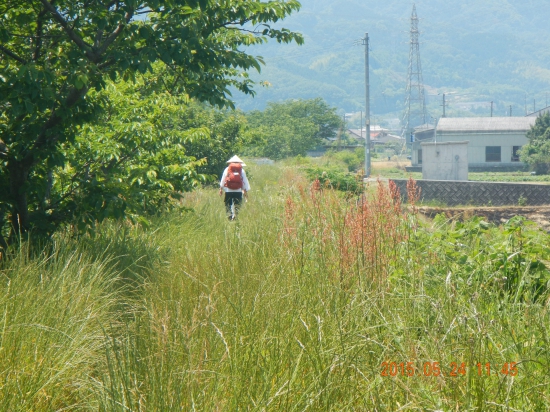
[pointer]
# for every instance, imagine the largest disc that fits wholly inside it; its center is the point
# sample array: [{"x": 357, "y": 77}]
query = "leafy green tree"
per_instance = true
[
  {"x": 537, "y": 152},
  {"x": 395, "y": 148},
  {"x": 130, "y": 163},
  {"x": 227, "y": 135},
  {"x": 278, "y": 141},
  {"x": 134, "y": 160},
  {"x": 291, "y": 128},
  {"x": 52, "y": 53},
  {"x": 322, "y": 115}
]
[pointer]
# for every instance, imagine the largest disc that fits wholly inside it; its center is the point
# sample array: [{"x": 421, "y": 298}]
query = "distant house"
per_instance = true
[
  {"x": 378, "y": 135},
  {"x": 494, "y": 142},
  {"x": 424, "y": 132}
]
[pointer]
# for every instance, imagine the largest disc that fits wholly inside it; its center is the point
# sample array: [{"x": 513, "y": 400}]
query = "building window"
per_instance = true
[
  {"x": 515, "y": 153},
  {"x": 492, "y": 153},
  {"x": 419, "y": 156}
]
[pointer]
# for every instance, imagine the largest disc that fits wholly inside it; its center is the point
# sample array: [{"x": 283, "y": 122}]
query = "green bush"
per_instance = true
[{"x": 335, "y": 179}]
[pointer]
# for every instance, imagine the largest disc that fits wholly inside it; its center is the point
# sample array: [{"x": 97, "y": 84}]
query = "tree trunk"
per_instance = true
[
  {"x": 48, "y": 190},
  {"x": 3, "y": 243},
  {"x": 19, "y": 173}
]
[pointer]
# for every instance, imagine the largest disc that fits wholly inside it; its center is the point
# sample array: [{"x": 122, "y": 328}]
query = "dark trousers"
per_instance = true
[{"x": 232, "y": 199}]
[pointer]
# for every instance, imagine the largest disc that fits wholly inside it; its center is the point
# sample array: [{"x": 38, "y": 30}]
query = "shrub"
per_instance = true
[{"x": 345, "y": 182}]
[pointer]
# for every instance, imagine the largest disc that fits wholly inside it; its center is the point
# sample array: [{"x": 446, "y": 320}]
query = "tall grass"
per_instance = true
[
  {"x": 295, "y": 306},
  {"x": 51, "y": 312}
]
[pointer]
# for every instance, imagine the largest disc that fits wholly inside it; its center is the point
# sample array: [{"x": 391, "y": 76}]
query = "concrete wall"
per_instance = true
[
  {"x": 454, "y": 193},
  {"x": 445, "y": 160}
]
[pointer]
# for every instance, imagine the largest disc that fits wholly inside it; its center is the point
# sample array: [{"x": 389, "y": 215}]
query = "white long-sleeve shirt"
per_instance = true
[{"x": 246, "y": 185}]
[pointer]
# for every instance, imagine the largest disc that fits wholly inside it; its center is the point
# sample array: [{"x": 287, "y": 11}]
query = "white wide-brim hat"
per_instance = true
[{"x": 236, "y": 159}]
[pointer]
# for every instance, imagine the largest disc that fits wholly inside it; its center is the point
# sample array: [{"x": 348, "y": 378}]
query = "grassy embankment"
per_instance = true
[{"x": 296, "y": 306}]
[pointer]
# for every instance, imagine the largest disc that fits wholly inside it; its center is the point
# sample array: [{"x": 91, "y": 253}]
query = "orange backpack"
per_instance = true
[{"x": 234, "y": 179}]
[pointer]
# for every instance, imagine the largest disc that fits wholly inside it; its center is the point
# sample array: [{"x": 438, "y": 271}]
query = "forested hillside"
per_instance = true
[{"x": 473, "y": 51}]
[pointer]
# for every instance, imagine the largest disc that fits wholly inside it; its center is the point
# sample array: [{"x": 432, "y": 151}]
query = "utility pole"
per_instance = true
[
  {"x": 367, "y": 107},
  {"x": 361, "y": 123},
  {"x": 342, "y": 132},
  {"x": 443, "y": 104},
  {"x": 510, "y": 110},
  {"x": 534, "y": 110},
  {"x": 491, "y": 109}
]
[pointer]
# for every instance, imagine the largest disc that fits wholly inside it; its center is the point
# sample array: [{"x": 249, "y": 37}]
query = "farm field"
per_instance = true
[{"x": 313, "y": 299}]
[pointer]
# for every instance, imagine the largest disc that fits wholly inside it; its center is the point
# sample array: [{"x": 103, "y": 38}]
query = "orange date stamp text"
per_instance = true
[{"x": 453, "y": 369}]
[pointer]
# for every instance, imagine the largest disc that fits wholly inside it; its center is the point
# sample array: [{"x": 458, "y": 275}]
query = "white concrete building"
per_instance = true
[
  {"x": 493, "y": 141},
  {"x": 445, "y": 160}
]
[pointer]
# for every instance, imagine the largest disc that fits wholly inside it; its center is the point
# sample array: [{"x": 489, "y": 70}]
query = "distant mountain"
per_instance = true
[{"x": 475, "y": 51}]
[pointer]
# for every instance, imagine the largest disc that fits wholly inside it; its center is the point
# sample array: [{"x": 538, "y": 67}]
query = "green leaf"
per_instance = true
[{"x": 29, "y": 106}]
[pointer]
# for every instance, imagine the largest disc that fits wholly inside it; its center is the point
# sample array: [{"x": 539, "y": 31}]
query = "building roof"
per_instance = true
[
  {"x": 422, "y": 127},
  {"x": 378, "y": 135},
  {"x": 424, "y": 134},
  {"x": 356, "y": 133},
  {"x": 539, "y": 112},
  {"x": 389, "y": 138},
  {"x": 485, "y": 124}
]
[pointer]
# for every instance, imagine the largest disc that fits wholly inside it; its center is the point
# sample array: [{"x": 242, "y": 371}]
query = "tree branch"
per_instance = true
[
  {"x": 13, "y": 55},
  {"x": 85, "y": 47},
  {"x": 38, "y": 37},
  {"x": 111, "y": 4},
  {"x": 232, "y": 24},
  {"x": 42, "y": 139},
  {"x": 112, "y": 37},
  {"x": 115, "y": 163},
  {"x": 3, "y": 150},
  {"x": 98, "y": 37},
  {"x": 73, "y": 179},
  {"x": 106, "y": 64}
]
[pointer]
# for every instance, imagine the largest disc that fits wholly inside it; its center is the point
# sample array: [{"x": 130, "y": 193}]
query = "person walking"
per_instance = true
[{"x": 235, "y": 184}]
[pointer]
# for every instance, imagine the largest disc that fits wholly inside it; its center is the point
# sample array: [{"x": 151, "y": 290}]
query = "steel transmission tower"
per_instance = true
[{"x": 415, "y": 103}]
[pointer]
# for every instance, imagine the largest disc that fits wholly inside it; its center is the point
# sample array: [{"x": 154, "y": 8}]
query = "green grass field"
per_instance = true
[{"x": 311, "y": 300}]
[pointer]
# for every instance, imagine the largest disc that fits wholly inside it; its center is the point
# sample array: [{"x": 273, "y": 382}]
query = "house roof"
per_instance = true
[
  {"x": 356, "y": 133},
  {"x": 422, "y": 127},
  {"x": 374, "y": 128},
  {"x": 539, "y": 112},
  {"x": 390, "y": 138},
  {"x": 485, "y": 124}
]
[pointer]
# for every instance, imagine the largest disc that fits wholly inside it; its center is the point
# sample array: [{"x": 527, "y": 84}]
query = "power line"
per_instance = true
[{"x": 317, "y": 51}]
